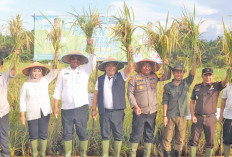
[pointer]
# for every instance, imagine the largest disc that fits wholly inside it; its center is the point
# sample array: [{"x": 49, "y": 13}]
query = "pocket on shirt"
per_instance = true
[{"x": 140, "y": 86}]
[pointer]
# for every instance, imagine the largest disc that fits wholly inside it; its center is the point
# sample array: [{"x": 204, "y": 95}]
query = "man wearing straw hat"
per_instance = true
[
  {"x": 5, "y": 78},
  {"x": 110, "y": 96},
  {"x": 176, "y": 108},
  {"x": 142, "y": 98},
  {"x": 203, "y": 108},
  {"x": 72, "y": 86}
]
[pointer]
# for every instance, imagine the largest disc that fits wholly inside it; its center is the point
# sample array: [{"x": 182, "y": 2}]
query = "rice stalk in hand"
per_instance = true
[
  {"x": 227, "y": 50},
  {"x": 189, "y": 35},
  {"x": 55, "y": 37},
  {"x": 88, "y": 21},
  {"x": 124, "y": 29},
  {"x": 20, "y": 39}
]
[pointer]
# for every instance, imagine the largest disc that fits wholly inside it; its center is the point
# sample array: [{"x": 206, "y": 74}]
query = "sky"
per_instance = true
[{"x": 209, "y": 11}]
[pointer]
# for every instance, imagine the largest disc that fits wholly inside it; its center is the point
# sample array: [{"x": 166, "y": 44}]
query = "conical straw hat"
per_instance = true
[
  {"x": 66, "y": 58},
  {"x": 45, "y": 69},
  {"x": 119, "y": 64}
]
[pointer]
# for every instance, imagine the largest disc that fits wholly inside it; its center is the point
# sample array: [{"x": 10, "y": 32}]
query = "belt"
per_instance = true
[
  {"x": 112, "y": 110},
  {"x": 205, "y": 115}
]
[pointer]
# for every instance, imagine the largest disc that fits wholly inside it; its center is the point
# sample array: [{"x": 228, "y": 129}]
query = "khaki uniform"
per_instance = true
[
  {"x": 206, "y": 106},
  {"x": 142, "y": 92}
]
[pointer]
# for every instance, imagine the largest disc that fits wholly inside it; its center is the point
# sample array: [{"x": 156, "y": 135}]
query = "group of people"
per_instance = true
[{"x": 109, "y": 101}]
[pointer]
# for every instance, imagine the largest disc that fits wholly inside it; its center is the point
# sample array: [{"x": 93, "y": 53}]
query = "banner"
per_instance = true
[{"x": 73, "y": 38}]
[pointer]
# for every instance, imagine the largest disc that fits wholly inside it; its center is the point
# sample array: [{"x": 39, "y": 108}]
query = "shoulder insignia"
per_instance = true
[
  {"x": 131, "y": 80},
  {"x": 153, "y": 85}
]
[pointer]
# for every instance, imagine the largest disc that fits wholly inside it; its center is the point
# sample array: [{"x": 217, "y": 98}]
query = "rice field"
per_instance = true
[{"x": 19, "y": 137}]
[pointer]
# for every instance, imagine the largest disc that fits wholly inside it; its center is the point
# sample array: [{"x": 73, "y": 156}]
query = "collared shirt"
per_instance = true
[
  {"x": 227, "y": 94},
  {"x": 176, "y": 97},
  {"x": 142, "y": 92},
  {"x": 34, "y": 97},
  {"x": 206, "y": 97},
  {"x": 72, "y": 85},
  {"x": 108, "y": 97},
  {"x": 5, "y": 78}
]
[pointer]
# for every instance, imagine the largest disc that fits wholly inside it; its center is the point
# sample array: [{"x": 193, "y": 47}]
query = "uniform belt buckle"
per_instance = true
[{"x": 204, "y": 115}]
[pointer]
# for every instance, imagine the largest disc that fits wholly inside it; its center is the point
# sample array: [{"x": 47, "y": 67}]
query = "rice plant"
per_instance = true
[
  {"x": 55, "y": 37},
  {"x": 124, "y": 29},
  {"x": 19, "y": 38},
  {"x": 88, "y": 21},
  {"x": 227, "y": 49},
  {"x": 189, "y": 36}
]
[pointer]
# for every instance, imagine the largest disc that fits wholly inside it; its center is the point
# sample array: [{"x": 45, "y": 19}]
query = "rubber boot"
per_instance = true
[
  {"x": 133, "y": 150},
  {"x": 105, "y": 148},
  {"x": 193, "y": 151},
  {"x": 167, "y": 153},
  {"x": 83, "y": 148},
  {"x": 68, "y": 148},
  {"x": 43, "y": 147},
  {"x": 208, "y": 152},
  {"x": 177, "y": 153},
  {"x": 226, "y": 150},
  {"x": 34, "y": 148},
  {"x": 147, "y": 150},
  {"x": 117, "y": 148}
]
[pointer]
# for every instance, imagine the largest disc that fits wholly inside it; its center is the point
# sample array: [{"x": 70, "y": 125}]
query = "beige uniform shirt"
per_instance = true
[{"x": 142, "y": 92}]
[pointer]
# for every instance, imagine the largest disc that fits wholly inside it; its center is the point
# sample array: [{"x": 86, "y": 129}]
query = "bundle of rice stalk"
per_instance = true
[
  {"x": 227, "y": 49},
  {"x": 19, "y": 38},
  {"x": 124, "y": 28},
  {"x": 164, "y": 40},
  {"x": 88, "y": 22},
  {"x": 189, "y": 35},
  {"x": 55, "y": 37}
]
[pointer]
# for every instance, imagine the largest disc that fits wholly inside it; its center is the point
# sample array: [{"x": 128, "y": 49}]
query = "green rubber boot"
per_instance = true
[
  {"x": 133, "y": 150},
  {"x": 117, "y": 148},
  {"x": 68, "y": 148},
  {"x": 34, "y": 148},
  {"x": 147, "y": 150},
  {"x": 83, "y": 148},
  {"x": 208, "y": 152},
  {"x": 43, "y": 147},
  {"x": 226, "y": 150},
  {"x": 105, "y": 148},
  {"x": 193, "y": 151}
]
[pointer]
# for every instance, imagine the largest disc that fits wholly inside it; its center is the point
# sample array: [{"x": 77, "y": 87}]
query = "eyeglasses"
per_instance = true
[{"x": 75, "y": 58}]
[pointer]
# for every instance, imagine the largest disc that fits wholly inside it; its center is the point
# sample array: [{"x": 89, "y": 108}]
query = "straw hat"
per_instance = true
[
  {"x": 155, "y": 65},
  {"x": 66, "y": 58},
  {"x": 45, "y": 69},
  {"x": 119, "y": 64}
]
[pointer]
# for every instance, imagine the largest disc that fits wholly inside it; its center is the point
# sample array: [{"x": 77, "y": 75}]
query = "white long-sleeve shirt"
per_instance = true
[
  {"x": 34, "y": 97},
  {"x": 5, "y": 78},
  {"x": 72, "y": 85}
]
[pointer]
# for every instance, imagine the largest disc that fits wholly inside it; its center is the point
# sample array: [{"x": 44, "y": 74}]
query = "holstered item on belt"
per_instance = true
[{"x": 205, "y": 115}]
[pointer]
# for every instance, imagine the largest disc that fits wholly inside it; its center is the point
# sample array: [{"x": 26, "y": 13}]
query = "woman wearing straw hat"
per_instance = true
[
  {"x": 142, "y": 98},
  {"x": 110, "y": 96},
  {"x": 5, "y": 78},
  {"x": 72, "y": 85},
  {"x": 35, "y": 102}
]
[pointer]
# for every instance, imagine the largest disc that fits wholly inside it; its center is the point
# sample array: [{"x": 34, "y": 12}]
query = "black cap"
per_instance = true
[
  {"x": 207, "y": 71},
  {"x": 179, "y": 67}
]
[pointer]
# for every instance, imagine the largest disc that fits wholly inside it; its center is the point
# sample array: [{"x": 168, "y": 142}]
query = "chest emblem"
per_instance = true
[
  {"x": 153, "y": 85},
  {"x": 140, "y": 87}
]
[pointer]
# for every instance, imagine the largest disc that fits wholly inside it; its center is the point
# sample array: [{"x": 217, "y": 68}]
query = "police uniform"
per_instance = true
[
  {"x": 206, "y": 106},
  {"x": 142, "y": 92}
]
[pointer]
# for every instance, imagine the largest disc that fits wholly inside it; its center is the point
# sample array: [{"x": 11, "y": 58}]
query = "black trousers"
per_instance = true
[
  {"x": 78, "y": 117},
  {"x": 38, "y": 128},
  {"x": 143, "y": 126},
  {"x": 227, "y": 132}
]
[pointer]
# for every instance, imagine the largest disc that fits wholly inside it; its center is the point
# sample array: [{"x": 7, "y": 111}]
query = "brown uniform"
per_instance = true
[{"x": 206, "y": 106}]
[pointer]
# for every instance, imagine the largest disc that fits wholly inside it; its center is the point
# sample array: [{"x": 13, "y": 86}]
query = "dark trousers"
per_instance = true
[
  {"x": 78, "y": 117},
  {"x": 209, "y": 126},
  {"x": 38, "y": 128},
  {"x": 4, "y": 129},
  {"x": 112, "y": 120},
  {"x": 143, "y": 126},
  {"x": 227, "y": 132}
]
